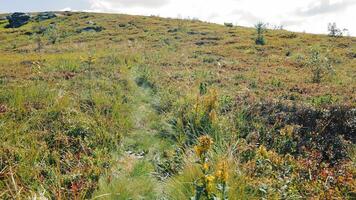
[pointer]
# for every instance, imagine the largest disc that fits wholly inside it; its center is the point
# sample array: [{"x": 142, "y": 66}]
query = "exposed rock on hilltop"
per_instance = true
[
  {"x": 45, "y": 16},
  {"x": 18, "y": 19}
]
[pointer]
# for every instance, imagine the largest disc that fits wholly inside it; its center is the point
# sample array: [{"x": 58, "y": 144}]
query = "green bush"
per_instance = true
[
  {"x": 319, "y": 64},
  {"x": 260, "y": 29}
]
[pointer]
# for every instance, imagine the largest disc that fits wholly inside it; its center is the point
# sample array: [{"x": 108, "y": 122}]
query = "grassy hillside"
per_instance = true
[{"x": 104, "y": 106}]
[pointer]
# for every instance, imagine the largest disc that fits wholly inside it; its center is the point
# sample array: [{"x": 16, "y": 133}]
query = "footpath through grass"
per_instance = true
[{"x": 133, "y": 175}]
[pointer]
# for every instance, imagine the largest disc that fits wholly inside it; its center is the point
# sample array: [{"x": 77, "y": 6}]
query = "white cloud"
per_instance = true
[
  {"x": 66, "y": 9},
  {"x": 325, "y": 6},
  {"x": 302, "y": 15},
  {"x": 113, "y": 5}
]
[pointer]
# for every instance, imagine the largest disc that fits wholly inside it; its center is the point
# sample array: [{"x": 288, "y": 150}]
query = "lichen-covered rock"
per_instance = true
[
  {"x": 45, "y": 16},
  {"x": 18, "y": 19},
  {"x": 91, "y": 29},
  {"x": 228, "y": 24}
]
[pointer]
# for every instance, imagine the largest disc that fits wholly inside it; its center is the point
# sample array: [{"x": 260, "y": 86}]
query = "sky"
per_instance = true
[{"x": 310, "y": 16}]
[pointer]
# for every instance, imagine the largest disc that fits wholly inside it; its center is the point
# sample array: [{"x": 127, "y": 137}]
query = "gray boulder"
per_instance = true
[
  {"x": 45, "y": 16},
  {"x": 18, "y": 19},
  {"x": 91, "y": 29},
  {"x": 91, "y": 22},
  {"x": 228, "y": 24}
]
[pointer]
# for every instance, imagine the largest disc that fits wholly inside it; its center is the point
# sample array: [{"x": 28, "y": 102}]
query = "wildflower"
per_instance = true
[
  {"x": 209, "y": 179},
  {"x": 221, "y": 172},
  {"x": 211, "y": 100},
  {"x": 263, "y": 151},
  {"x": 207, "y": 184},
  {"x": 205, "y": 142},
  {"x": 206, "y": 166},
  {"x": 212, "y": 116},
  {"x": 199, "y": 150}
]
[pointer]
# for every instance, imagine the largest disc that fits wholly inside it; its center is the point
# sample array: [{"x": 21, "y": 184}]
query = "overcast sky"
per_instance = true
[{"x": 296, "y": 15}]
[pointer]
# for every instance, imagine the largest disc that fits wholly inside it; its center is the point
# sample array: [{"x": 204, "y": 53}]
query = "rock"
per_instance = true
[
  {"x": 91, "y": 23},
  {"x": 351, "y": 55},
  {"x": 228, "y": 24},
  {"x": 202, "y": 42},
  {"x": 193, "y": 33},
  {"x": 68, "y": 13},
  {"x": 173, "y": 30},
  {"x": 45, "y": 15},
  {"x": 122, "y": 25},
  {"x": 197, "y": 33},
  {"x": 91, "y": 29},
  {"x": 18, "y": 19},
  {"x": 84, "y": 17},
  {"x": 211, "y": 38}
]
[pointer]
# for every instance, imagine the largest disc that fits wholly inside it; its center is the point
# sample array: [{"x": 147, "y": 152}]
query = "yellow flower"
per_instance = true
[
  {"x": 263, "y": 151},
  {"x": 206, "y": 166},
  {"x": 198, "y": 150},
  {"x": 89, "y": 60},
  {"x": 209, "y": 178},
  {"x": 212, "y": 116},
  {"x": 205, "y": 142},
  {"x": 209, "y": 187},
  {"x": 222, "y": 171}
]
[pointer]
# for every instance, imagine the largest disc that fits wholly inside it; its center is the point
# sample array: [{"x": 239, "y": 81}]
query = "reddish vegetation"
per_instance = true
[{"x": 3, "y": 108}]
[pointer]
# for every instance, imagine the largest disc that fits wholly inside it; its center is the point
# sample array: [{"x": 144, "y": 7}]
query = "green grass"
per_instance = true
[{"x": 124, "y": 124}]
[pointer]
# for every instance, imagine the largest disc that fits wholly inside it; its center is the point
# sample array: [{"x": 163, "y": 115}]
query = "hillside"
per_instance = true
[{"x": 109, "y": 106}]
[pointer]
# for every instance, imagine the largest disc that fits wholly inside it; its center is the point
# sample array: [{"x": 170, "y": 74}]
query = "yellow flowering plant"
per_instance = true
[
  {"x": 209, "y": 183},
  {"x": 222, "y": 175}
]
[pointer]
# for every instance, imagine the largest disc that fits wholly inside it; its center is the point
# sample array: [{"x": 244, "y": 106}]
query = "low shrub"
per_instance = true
[
  {"x": 260, "y": 29},
  {"x": 320, "y": 65}
]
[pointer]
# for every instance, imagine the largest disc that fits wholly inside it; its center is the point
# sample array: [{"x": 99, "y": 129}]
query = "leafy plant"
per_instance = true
[
  {"x": 260, "y": 29},
  {"x": 334, "y": 31},
  {"x": 192, "y": 121},
  {"x": 52, "y": 33},
  {"x": 319, "y": 65},
  {"x": 210, "y": 186}
]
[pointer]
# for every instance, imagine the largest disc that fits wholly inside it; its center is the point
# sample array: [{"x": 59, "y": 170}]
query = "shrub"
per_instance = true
[
  {"x": 319, "y": 65},
  {"x": 334, "y": 31},
  {"x": 42, "y": 32},
  {"x": 192, "y": 121},
  {"x": 260, "y": 29},
  {"x": 52, "y": 34}
]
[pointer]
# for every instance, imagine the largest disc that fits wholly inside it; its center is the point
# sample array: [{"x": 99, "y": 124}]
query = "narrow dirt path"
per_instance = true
[{"x": 132, "y": 177}]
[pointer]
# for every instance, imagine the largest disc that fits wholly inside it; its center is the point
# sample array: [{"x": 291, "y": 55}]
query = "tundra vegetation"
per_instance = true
[{"x": 107, "y": 106}]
